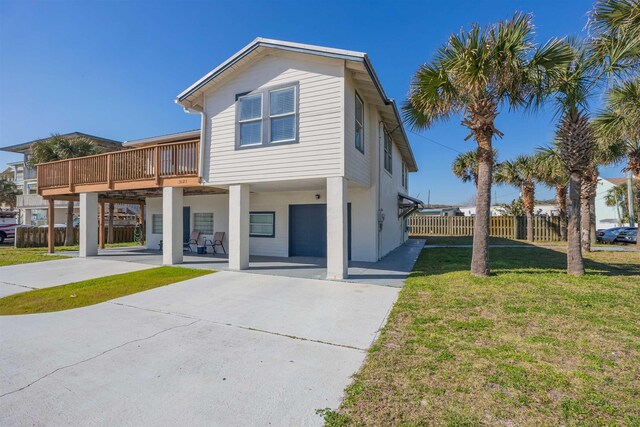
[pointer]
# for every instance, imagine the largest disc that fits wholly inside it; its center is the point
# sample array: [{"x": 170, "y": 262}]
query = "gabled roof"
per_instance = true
[
  {"x": 391, "y": 115},
  {"x": 102, "y": 142},
  {"x": 163, "y": 139}
]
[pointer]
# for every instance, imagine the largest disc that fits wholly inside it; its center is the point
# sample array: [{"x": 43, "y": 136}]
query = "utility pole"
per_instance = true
[
  {"x": 429, "y": 199},
  {"x": 630, "y": 197}
]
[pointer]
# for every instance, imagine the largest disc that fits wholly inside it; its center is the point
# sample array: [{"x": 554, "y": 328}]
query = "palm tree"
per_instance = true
[
  {"x": 58, "y": 147},
  {"x": 551, "y": 172},
  {"x": 615, "y": 41},
  {"x": 522, "y": 173},
  {"x": 474, "y": 75},
  {"x": 617, "y": 196},
  {"x": 465, "y": 166},
  {"x": 575, "y": 139}
]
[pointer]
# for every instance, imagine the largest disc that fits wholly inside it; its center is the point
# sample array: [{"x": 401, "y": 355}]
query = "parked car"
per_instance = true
[
  {"x": 609, "y": 235},
  {"x": 630, "y": 235},
  {"x": 7, "y": 226}
]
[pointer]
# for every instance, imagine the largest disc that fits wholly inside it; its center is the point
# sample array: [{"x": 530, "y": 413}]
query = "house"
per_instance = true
[
  {"x": 31, "y": 206},
  {"x": 300, "y": 153},
  {"x": 608, "y": 216},
  {"x": 449, "y": 211}
]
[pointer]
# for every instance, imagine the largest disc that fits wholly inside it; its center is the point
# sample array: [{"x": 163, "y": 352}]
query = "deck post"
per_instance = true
[
  {"x": 88, "y": 224},
  {"x": 337, "y": 241},
  {"x": 142, "y": 229},
  {"x": 101, "y": 225},
  {"x": 172, "y": 202},
  {"x": 239, "y": 227},
  {"x": 51, "y": 235}
]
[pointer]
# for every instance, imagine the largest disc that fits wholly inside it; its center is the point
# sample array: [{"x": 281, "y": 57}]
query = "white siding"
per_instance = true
[
  {"x": 358, "y": 165},
  {"x": 319, "y": 151}
]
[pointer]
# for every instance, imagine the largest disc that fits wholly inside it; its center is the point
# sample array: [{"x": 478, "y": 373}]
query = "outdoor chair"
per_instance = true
[
  {"x": 193, "y": 240},
  {"x": 218, "y": 237}
]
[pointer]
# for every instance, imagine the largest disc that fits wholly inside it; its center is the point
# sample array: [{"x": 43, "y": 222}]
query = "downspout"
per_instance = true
[
  {"x": 378, "y": 211},
  {"x": 201, "y": 149}
]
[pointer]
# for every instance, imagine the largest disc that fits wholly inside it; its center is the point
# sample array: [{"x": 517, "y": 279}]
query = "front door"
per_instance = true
[{"x": 186, "y": 223}]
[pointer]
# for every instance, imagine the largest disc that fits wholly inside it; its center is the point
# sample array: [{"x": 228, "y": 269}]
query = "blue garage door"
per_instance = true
[{"x": 308, "y": 230}]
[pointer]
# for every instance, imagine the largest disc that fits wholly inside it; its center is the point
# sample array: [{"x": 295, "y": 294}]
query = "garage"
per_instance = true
[{"x": 308, "y": 230}]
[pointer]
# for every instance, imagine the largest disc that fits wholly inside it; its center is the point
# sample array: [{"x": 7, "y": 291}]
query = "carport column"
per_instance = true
[
  {"x": 337, "y": 249},
  {"x": 88, "y": 224},
  {"x": 239, "y": 227},
  {"x": 172, "y": 244},
  {"x": 27, "y": 217}
]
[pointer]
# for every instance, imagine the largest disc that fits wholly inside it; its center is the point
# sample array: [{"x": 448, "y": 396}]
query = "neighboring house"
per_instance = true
[
  {"x": 300, "y": 153},
  {"x": 452, "y": 211},
  {"x": 608, "y": 216},
  {"x": 542, "y": 210},
  {"x": 9, "y": 174},
  {"x": 32, "y": 207}
]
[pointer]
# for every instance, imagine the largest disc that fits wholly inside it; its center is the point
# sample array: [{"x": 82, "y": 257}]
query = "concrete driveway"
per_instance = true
[{"x": 223, "y": 349}]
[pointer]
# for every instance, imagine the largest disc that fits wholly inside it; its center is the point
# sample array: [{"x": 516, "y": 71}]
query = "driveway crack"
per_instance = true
[
  {"x": 246, "y": 328},
  {"x": 98, "y": 355}
]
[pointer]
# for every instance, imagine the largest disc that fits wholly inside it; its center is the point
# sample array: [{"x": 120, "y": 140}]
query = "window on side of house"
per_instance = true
[
  {"x": 359, "y": 124},
  {"x": 262, "y": 224},
  {"x": 405, "y": 175},
  {"x": 156, "y": 224},
  {"x": 388, "y": 152},
  {"x": 282, "y": 114},
  {"x": 250, "y": 120},
  {"x": 203, "y": 222}
]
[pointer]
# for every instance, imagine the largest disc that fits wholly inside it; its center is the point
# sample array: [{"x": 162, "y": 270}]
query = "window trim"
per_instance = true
[
  {"x": 153, "y": 224},
  {"x": 355, "y": 122},
  {"x": 273, "y": 233},
  {"x": 266, "y": 116},
  {"x": 384, "y": 153},
  {"x": 405, "y": 175}
]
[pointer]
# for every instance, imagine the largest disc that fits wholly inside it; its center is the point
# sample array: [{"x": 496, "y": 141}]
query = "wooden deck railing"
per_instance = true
[{"x": 172, "y": 165}]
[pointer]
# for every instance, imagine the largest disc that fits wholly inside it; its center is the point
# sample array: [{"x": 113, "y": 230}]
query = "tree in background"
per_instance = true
[
  {"x": 58, "y": 147},
  {"x": 521, "y": 173},
  {"x": 8, "y": 193},
  {"x": 465, "y": 166},
  {"x": 475, "y": 74},
  {"x": 617, "y": 197},
  {"x": 552, "y": 173}
]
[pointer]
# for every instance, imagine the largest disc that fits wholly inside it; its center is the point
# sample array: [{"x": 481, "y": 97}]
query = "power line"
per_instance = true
[{"x": 436, "y": 142}]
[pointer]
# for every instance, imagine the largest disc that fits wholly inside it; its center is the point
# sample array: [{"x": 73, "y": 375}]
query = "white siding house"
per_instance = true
[{"x": 300, "y": 154}]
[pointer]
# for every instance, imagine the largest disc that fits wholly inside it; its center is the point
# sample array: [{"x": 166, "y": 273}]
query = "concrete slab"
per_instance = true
[
  {"x": 25, "y": 277},
  {"x": 333, "y": 312},
  {"x": 392, "y": 270},
  {"x": 223, "y": 349}
]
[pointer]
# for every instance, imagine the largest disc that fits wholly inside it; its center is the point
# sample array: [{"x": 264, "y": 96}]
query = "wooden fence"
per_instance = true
[
  {"x": 545, "y": 228},
  {"x": 36, "y": 237}
]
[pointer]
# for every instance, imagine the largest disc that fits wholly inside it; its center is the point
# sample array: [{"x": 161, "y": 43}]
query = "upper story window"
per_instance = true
[
  {"x": 388, "y": 152},
  {"x": 405, "y": 176},
  {"x": 250, "y": 119},
  {"x": 359, "y": 124},
  {"x": 268, "y": 116}
]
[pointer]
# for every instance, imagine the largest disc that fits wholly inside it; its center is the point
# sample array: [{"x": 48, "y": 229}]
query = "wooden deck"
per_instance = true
[{"x": 165, "y": 165}]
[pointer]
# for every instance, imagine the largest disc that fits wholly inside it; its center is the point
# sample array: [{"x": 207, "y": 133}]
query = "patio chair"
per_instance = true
[
  {"x": 218, "y": 237},
  {"x": 193, "y": 240}
]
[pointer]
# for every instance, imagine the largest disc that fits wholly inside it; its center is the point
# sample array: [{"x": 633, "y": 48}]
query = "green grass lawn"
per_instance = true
[
  {"x": 89, "y": 292},
  {"x": 468, "y": 240},
  {"x": 527, "y": 346},
  {"x": 10, "y": 255}
]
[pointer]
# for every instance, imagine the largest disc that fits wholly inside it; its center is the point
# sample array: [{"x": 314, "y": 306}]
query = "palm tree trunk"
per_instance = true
[
  {"x": 575, "y": 263},
  {"x": 638, "y": 207},
  {"x": 480, "y": 255},
  {"x": 561, "y": 201},
  {"x": 528, "y": 199},
  {"x": 585, "y": 216},
  {"x": 592, "y": 217},
  {"x": 68, "y": 237}
]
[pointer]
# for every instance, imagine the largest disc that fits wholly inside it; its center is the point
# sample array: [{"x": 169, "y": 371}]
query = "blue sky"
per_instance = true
[{"x": 113, "y": 68}]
